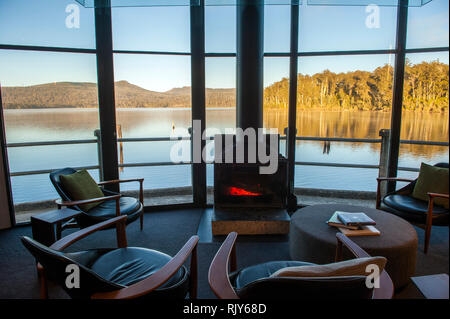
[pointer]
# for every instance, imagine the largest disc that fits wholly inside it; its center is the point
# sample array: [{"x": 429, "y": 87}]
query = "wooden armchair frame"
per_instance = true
[
  {"x": 60, "y": 203},
  {"x": 225, "y": 262},
  {"x": 141, "y": 192},
  {"x": 142, "y": 287},
  {"x": 429, "y": 216}
]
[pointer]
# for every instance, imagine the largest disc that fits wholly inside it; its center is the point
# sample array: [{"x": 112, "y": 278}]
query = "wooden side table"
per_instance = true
[
  {"x": 43, "y": 225},
  {"x": 433, "y": 286}
]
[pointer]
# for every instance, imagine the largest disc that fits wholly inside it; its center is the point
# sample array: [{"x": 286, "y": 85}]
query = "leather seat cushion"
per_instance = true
[
  {"x": 411, "y": 205},
  {"x": 250, "y": 274},
  {"x": 107, "y": 209},
  {"x": 126, "y": 266}
]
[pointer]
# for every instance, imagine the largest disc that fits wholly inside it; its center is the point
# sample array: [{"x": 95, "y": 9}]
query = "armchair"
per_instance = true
[
  {"x": 116, "y": 273},
  {"x": 418, "y": 212},
  {"x": 261, "y": 285},
  {"x": 113, "y": 204}
]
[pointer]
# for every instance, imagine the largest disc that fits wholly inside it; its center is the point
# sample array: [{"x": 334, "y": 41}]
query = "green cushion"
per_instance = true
[
  {"x": 432, "y": 179},
  {"x": 81, "y": 186}
]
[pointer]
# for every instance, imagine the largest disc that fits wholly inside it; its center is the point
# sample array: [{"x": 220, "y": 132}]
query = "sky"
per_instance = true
[{"x": 321, "y": 28}]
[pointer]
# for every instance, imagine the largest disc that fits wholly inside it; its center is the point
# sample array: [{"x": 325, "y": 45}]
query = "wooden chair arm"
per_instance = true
[
  {"x": 396, "y": 179},
  {"x": 141, "y": 185},
  {"x": 432, "y": 195},
  {"x": 154, "y": 281},
  {"x": 60, "y": 202},
  {"x": 357, "y": 251},
  {"x": 74, "y": 237},
  {"x": 386, "y": 289},
  {"x": 380, "y": 179},
  {"x": 116, "y": 181},
  {"x": 218, "y": 271}
]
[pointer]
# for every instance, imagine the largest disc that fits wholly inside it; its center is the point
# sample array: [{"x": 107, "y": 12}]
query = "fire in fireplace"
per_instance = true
[
  {"x": 242, "y": 185},
  {"x": 235, "y": 191}
]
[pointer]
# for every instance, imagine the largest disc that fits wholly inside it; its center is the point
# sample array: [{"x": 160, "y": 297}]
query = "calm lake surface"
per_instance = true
[{"x": 70, "y": 124}]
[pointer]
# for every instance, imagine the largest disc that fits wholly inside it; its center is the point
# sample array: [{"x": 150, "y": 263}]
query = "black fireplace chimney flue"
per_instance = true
[{"x": 250, "y": 63}]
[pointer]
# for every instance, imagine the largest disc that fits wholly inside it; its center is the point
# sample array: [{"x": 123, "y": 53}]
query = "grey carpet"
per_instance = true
[{"x": 167, "y": 231}]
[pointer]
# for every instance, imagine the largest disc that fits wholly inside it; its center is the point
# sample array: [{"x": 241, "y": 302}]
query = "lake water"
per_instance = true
[{"x": 69, "y": 124}]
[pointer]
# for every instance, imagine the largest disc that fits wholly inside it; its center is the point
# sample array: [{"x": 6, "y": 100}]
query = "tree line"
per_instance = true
[{"x": 426, "y": 88}]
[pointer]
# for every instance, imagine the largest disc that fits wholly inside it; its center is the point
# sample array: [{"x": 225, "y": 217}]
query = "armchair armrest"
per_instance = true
[
  {"x": 432, "y": 195},
  {"x": 343, "y": 240},
  {"x": 157, "y": 279},
  {"x": 117, "y": 181},
  {"x": 392, "y": 179},
  {"x": 74, "y": 237},
  {"x": 218, "y": 271},
  {"x": 431, "y": 198},
  {"x": 396, "y": 179},
  {"x": 386, "y": 289},
  {"x": 60, "y": 202}
]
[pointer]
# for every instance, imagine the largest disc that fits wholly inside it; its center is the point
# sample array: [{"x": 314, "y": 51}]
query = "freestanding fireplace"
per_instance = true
[
  {"x": 243, "y": 185},
  {"x": 247, "y": 201}
]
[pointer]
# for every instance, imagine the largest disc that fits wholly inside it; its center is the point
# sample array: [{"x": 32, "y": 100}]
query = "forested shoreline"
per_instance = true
[{"x": 426, "y": 88}]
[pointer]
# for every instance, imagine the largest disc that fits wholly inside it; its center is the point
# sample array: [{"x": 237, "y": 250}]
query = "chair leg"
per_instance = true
[
  {"x": 427, "y": 235},
  {"x": 142, "y": 219},
  {"x": 43, "y": 282},
  {"x": 429, "y": 224}
]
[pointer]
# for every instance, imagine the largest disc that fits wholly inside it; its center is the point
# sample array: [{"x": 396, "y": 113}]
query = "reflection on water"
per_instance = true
[
  {"x": 367, "y": 124},
  {"x": 67, "y": 124}
]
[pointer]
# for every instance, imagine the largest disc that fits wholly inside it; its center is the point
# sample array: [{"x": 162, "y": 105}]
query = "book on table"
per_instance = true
[
  {"x": 362, "y": 231},
  {"x": 355, "y": 219},
  {"x": 334, "y": 221},
  {"x": 352, "y": 230}
]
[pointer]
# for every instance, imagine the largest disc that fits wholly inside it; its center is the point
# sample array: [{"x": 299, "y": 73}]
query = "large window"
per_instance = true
[
  {"x": 342, "y": 97},
  {"x": 220, "y": 29},
  {"x": 345, "y": 87},
  {"x": 47, "y": 96},
  {"x": 153, "y": 100},
  {"x": 220, "y": 75},
  {"x": 276, "y": 96},
  {"x": 428, "y": 25},
  {"x": 340, "y": 28},
  {"x": 54, "y": 23},
  {"x": 151, "y": 28},
  {"x": 277, "y": 28},
  {"x": 425, "y": 114}
]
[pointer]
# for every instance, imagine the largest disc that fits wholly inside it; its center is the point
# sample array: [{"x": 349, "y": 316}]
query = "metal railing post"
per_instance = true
[
  {"x": 384, "y": 157},
  {"x": 99, "y": 154}
]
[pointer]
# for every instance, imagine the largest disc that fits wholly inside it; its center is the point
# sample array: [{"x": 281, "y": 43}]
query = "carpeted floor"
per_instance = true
[{"x": 167, "y": 231}]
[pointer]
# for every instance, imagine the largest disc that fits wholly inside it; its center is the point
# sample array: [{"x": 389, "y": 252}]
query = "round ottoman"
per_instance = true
[{"x": 312, "y": 240}]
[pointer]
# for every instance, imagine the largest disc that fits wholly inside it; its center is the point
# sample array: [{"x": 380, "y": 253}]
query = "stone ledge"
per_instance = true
[{"x": 250, "y": 221}]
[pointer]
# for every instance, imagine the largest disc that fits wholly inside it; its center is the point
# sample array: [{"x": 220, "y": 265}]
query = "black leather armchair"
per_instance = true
[
  {"x": 418, "y": 212},
  {"x": 112, "y": 205},
  {"x": 116, "y": 273},
  {"x": 254, "y": 282}
]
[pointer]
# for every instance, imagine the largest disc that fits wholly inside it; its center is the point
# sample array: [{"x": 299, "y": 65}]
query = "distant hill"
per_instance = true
[
  {"x": 84, "y": 95},
  {"x": 425, "y": 89}
]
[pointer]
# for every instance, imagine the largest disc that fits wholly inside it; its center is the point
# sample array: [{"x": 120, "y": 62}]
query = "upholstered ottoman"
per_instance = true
[{"x": 312, "y": 240}]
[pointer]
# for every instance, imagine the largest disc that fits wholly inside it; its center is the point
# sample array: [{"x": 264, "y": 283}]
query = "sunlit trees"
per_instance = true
[{"x": 425, "y": 89}]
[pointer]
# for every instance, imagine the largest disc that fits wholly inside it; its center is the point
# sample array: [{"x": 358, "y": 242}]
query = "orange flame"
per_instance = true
[{"x": 241, "y": 192}]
